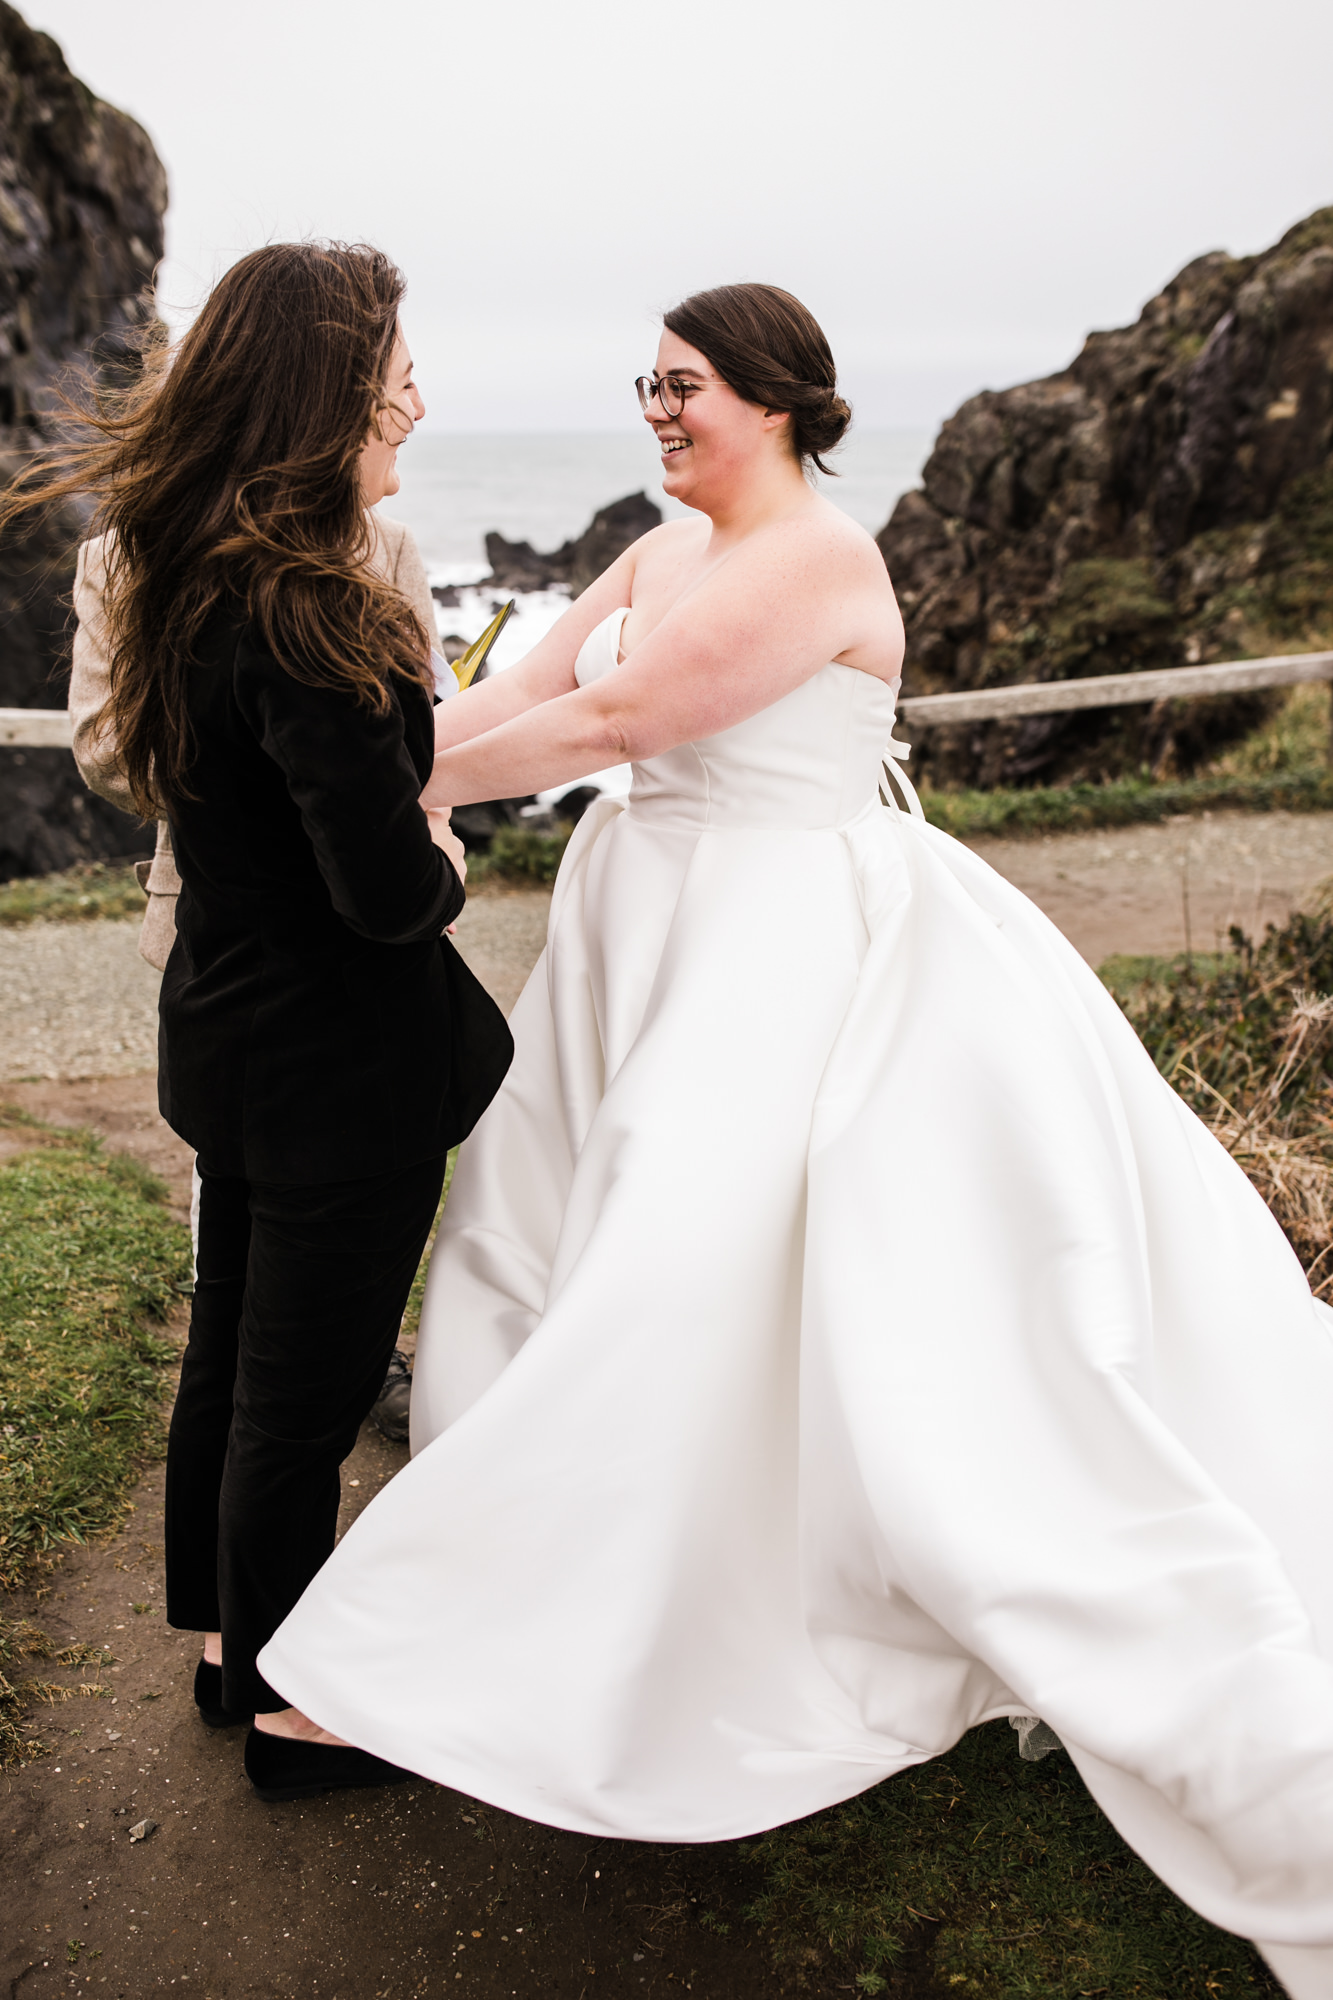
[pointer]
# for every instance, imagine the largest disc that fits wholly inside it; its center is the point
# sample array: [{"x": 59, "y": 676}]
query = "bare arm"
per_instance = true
[
  {"x": 543, "y": 674},
  {"x": 766, "y": 619}
]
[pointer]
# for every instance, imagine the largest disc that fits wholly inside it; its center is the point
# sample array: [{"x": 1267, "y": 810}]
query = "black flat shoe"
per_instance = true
[
  {"x": 282, "y": 1767},
  {"x": 208, "y": 1698}
]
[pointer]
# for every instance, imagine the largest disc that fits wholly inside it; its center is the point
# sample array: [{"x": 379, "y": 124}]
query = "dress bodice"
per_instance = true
[{"x": 811, "y": 759}]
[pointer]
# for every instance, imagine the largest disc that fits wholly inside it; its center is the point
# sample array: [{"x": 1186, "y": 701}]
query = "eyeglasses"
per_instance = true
[{"x": 669, "y": 390}]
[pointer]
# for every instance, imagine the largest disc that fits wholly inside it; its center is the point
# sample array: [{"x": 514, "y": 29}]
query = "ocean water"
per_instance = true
[{"x": 545, "y": 489}]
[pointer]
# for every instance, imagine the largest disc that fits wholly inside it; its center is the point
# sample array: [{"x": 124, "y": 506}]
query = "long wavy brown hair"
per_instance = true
[{"x": 229, "y": 471}]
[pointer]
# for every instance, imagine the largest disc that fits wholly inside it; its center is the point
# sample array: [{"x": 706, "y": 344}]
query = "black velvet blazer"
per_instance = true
[{"x": 315, "y": 1024}]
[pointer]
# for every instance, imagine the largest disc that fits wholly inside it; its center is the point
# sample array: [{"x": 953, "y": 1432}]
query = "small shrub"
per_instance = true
[
  {"x": 518, "y": 855},
  {"x": 1246, "y": 1037},
  {"x": 95, "y": 889}
]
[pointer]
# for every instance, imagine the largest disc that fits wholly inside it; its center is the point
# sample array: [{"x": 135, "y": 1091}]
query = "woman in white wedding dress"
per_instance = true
[{"x": 838, "y": 1334}]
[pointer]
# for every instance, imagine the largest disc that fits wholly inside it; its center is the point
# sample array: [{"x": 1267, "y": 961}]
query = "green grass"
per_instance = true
[
  {"x": 90, "y": 1262},
  {"x": 96, "y": 889},
  {"x": 1282, "y": 766},
  {"x": 1295, "y": 738},
  {"x": 1125, "y": 802},
  {"x": 1026, "y": 1889}
]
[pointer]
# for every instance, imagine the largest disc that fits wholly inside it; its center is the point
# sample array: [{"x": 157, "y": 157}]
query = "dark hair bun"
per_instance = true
[
  {"x": 771, "y": 350},
  {"x": 819, "y": 423}
]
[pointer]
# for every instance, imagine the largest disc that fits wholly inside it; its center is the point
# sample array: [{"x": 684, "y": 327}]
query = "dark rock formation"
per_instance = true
[
  {"x": 1167, "y": 499},
  {"x": 518, "y": 566},
  {"x": 82, "y": 197}
]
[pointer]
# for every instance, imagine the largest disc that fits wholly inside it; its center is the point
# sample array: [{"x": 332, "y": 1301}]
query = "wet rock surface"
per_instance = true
[
  {"x": 1166, "y": 500},
  {"x": 518, "y": 566},
  {"x": 49, "y": 820},
  {"x": 82, "y": 200}
]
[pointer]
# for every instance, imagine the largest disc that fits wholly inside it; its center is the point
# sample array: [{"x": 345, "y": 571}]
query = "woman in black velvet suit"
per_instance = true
[{"x": 322, "y": 1044}]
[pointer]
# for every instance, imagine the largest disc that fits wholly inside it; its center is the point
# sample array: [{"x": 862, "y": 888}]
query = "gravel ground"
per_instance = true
[
  {"x": 501, "y": 934},
  {"x": 76, "y": 1000}
]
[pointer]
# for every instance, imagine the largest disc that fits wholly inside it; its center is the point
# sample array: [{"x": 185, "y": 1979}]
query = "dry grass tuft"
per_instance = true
[{"x": 1247, "y": 1038}]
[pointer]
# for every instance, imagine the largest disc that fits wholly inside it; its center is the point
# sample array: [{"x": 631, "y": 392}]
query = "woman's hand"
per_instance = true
[{"x": 437, "y": 819}]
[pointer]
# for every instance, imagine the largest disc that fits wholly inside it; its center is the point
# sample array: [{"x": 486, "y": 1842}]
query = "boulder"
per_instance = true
[
  {"x": 82, "y": 200},
  {"x": 518, "y": 566},
  {"x": 1165, "y": 500}
]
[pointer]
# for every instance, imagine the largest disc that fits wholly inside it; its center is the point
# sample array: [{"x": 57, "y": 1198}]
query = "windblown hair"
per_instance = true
[
  {"x": 229, "y": 471},
  {"x": 771, "y": 350}
]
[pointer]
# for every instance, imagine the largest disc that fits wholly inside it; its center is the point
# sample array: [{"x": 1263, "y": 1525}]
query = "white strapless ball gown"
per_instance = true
[{"x": 839, "y": 1334}]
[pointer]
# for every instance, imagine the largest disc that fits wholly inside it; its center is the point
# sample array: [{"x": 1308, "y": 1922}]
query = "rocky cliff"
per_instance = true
[
  {"x": 82, "y": 199},
  {"x": 1167, "y": 499},
  {"x": 518, "y": 566}
]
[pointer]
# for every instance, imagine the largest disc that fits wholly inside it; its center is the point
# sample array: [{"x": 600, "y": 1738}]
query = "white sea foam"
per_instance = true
[{"x": 533, "y": 615}]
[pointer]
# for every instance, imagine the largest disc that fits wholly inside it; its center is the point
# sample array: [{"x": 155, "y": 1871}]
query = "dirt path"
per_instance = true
[
  {"x": 374, "y": 1896},
  {"x": 1164, "y": 889},
  {"x": 409, "y": 1891}
]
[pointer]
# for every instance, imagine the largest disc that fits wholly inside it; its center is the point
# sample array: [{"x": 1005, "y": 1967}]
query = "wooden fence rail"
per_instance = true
[
  {"x": 1116, "y": 690},
  {"x": 35, "y": 729},
  {"x": 49, "y": 728}
]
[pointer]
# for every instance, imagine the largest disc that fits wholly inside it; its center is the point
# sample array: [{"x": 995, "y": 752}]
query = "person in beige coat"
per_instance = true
[
  {"x": 398, "y": 559},
  {"x": 395, "y": 556}
]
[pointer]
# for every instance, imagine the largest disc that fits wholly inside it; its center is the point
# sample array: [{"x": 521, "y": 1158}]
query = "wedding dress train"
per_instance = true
[{"x": 838, "y": 1335}]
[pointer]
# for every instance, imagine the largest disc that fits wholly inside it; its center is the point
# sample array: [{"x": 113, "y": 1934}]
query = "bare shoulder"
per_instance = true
[
  {"x": 671, "y": 540},
  {"x": 819, "y": 572},
  {"x": 816, "y": 556},
  {"x": 825, "y": 538}
]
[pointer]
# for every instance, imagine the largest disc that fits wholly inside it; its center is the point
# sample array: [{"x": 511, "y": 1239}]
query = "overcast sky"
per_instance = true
[{"x": 959, "y": 189}]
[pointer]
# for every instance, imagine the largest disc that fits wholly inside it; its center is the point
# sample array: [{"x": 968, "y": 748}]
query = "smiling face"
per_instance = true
[
  {"x": 719, "y": 439},
  {"x": 393, "y": 426}
]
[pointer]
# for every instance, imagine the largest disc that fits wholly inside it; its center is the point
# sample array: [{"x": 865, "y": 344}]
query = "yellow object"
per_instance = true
[{"x": 468, "y": 665}]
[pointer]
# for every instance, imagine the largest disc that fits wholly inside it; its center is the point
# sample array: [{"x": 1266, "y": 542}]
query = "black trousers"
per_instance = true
[{"x": 299, "y": 1295}]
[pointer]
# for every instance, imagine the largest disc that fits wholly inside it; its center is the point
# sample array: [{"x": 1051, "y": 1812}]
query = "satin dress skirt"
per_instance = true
[{"x": 840, "y": 1335}]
